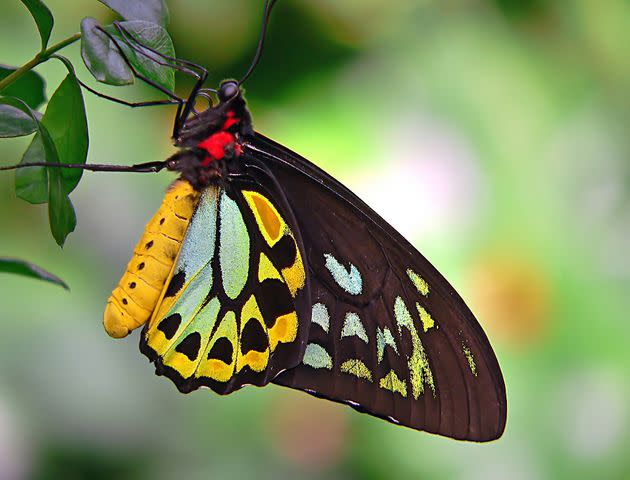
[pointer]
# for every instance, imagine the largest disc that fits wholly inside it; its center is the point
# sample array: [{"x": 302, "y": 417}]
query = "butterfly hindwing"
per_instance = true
[
  {"x": 389, "y": 335},
  {"x": 229, "y": 312}
]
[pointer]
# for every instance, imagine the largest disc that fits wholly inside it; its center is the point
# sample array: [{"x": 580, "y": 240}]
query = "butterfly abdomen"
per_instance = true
[{"x": 133, "y": 300}]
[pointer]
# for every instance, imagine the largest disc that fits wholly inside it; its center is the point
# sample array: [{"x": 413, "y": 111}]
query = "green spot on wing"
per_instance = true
[
  {"x": 315, "y": 356},
  {"x": 350, "y": 281},
  {"x": 420, "y": 283},
  {"x": 190, "y": 302},
  {"x": 384, "y": 337},
  {"x": 233, "y": 247},
  {"x": 352, "y": 326},
  {"x": 198, "y": 246},
  {"x": 320, "y": 316}
]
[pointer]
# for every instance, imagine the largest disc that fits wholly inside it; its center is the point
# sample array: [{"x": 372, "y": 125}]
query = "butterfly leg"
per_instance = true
[{"x": 197, "y": 71}]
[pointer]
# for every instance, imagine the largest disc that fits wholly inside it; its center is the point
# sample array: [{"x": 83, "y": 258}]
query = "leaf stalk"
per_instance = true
[{"x": 41, "y": 57}]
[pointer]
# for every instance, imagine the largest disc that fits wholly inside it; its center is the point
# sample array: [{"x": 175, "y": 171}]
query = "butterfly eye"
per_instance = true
[{"x": 228, "y": 90}]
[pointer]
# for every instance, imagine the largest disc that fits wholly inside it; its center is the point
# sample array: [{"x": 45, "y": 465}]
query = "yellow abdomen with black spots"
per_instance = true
[{"x": 135, "y": 297}]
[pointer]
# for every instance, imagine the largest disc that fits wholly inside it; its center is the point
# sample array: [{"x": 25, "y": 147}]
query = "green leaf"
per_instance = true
[
  {"x": 66, "y": 122},
  {"x": 27, "y": 269},
  {"x": 61, "y": 214},
  {"x": 31, "y": 184},
  {"x": 101, "y": 56},
  {"x": 155, "y": 37},
  {"x": 154, "y": 11},
  {"x": 60, "y": 211},
  {"x": 14, "y": 122},
  {"x": 43, "y": 19},
  {"x": 30, "y": 87}
]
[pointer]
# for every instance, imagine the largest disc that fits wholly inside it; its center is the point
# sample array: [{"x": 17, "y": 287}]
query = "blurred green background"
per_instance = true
[{"x": 493, "y": 133}]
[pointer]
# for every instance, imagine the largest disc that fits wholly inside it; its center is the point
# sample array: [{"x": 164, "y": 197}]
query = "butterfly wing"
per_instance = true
[
  {"x": 228, "y": 314},
  {"x": 389, "y": 335}
]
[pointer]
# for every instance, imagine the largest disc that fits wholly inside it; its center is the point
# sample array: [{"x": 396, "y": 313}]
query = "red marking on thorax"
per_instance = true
[
  {"x": 216, "y": 143},
  {"x": 230, "y": 120}
]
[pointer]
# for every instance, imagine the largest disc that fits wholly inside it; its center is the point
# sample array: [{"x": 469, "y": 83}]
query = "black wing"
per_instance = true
[{"x": 389, "y": 335}]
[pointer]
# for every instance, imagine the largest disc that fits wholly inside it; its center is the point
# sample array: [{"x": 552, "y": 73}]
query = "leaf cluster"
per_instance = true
[{"x": 60, "y": 132}]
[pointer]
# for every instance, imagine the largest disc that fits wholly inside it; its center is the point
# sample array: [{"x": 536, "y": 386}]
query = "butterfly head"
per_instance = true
[
  {"x": 213, "y": 136},
  {"x": 229, "y": 114},
  {"x": 228, "y": 90}
]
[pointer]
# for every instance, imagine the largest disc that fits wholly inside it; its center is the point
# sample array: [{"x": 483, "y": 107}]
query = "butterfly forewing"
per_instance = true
[
  {"x": 389, "y": 335},
  {"x": 228, "y": 315}
]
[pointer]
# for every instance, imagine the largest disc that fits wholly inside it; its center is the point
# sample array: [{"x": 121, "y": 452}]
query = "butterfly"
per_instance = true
[{"x": 259, "y": 268}]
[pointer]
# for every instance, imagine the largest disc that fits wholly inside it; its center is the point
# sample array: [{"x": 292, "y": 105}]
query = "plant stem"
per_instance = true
[{"x": 37, "y": 59}]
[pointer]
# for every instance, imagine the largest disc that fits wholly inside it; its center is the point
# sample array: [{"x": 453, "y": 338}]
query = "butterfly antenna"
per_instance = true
[{"x": 261, "y": 39}]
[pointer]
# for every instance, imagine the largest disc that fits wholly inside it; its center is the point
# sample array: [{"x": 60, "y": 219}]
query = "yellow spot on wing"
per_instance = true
[
  {"x": 357, "y": 368},
  {"x": 420, "y": 283},
  {"x": 425, "y": 318},
  {"x": 269, "y": 221},
  {"x": 471, "y": 360},
  {"x": 214, "y": 368},
  {"x": 418, "y": 362},
  {"x": 266, "y": 269},
  {"x": 394, "y": 384},
  {"x": 295, "y": 276},
  {"x": 255, "y": 360},
  {"x": 180, "y": 362},
  {"x": 273, "y": 228},
  {"x": 284, "y": 330}
]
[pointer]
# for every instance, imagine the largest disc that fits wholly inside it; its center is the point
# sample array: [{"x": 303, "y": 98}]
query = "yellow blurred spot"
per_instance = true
[{"x": 511, "y": 296}]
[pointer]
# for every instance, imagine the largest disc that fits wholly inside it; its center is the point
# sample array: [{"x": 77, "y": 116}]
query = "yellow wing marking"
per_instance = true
[
  {"x": 425, "y": 318},
  {"x": 357, "y": 368},
  {"x": 266, "y": 270},
  {"x": 254, "y": 359},
  {"x": 269, "y": 221},
  {"x": 214, "y": 368},
  {"x": 394, "y": 384},
  {"x": 273, "y": 228},
  {"x": 295, "y": 276},
  {"x": 132, "y": 302},
  {"x": 420, "y": 283},
  {"x": 284, "y": 330}
]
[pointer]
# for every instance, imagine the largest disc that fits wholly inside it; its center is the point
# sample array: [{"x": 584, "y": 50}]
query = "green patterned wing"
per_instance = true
[{"x": 229, "y": 313}]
